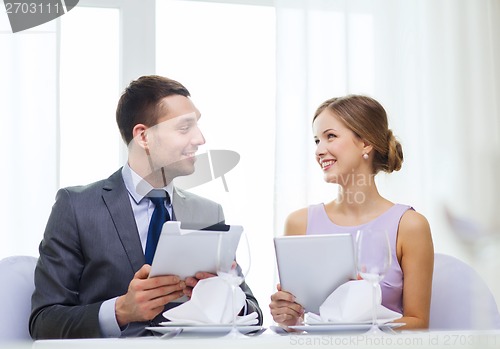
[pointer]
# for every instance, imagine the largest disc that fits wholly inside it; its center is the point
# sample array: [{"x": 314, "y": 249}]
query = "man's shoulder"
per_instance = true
[
  {"x": 109, "y": 183},
  {"x": 194, "y": 198}
]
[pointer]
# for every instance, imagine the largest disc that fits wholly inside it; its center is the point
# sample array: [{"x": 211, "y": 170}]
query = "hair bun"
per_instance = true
[{"x": 394, "y": 154}]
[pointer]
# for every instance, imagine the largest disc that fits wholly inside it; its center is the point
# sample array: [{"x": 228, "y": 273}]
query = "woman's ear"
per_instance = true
[{"x": 367, "y": 147}]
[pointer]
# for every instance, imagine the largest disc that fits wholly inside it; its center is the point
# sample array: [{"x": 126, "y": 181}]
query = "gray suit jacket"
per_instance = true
[{"x": 90, "y": 252}]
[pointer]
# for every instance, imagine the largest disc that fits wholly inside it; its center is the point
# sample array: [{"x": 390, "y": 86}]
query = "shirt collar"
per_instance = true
[{"x": 138, "y": 187}]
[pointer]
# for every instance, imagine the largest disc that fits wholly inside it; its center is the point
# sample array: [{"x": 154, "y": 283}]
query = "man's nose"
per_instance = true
[{"x": 198, "y": 139}]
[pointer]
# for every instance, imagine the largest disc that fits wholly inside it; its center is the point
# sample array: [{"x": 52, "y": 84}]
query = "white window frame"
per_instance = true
[{"x": 137, "y": 41}]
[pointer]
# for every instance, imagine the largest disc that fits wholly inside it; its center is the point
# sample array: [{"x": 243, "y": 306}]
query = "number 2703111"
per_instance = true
[{"x": 33, "y": 8}]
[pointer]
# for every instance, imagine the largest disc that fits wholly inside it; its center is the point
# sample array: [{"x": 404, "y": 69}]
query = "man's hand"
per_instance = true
[
  {"x": 146, "y": 298},
  {"x": 192, "y": 281}
]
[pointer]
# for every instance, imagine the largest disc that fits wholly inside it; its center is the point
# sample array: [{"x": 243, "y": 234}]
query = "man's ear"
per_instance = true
[{"x": 140, "y": 135}]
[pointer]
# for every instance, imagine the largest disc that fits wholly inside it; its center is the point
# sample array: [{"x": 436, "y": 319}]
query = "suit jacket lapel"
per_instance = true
[
  {"x": 181, "y": 211},
  {"x": 116, "y": 198}
]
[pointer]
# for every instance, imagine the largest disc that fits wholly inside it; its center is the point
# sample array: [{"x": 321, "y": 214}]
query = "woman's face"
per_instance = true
[{"x": 339, "y": 151}]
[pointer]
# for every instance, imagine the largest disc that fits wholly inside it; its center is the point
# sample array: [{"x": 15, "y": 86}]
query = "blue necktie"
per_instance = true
[{"x": 159, "y": 217}]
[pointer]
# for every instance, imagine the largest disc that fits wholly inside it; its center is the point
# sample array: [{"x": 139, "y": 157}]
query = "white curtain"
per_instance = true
[
  {"x": 432, "y": 64},
  {"x": 60, "y": 62},
  {"x": 28, "y": 144}
]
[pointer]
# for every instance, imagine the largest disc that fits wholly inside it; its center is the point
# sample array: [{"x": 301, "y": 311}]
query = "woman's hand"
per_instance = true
[{"x": 285, "y": 310}]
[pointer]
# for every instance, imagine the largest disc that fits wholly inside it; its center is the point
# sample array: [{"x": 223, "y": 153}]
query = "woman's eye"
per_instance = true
[{"x": 331, "y": 135}]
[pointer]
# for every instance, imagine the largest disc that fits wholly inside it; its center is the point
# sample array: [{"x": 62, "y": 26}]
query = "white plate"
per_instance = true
[
  {"x": 211, "y": 330},
  {"x": 327, "y": 328}
]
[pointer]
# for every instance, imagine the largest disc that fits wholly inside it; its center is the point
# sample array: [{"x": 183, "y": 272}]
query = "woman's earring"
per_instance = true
[{"x": 365, "y": 156}]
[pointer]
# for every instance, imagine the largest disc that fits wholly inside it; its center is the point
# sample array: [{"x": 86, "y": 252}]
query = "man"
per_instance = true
[{"x": 91, "y": 279}]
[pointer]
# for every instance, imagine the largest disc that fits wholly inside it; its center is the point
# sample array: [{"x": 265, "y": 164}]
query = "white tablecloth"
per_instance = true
[{"x": 414, "y": 339}]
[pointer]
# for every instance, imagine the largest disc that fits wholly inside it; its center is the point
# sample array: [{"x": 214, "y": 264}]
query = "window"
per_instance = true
[
  {"x": 225, "y": 55},
  {"x": 89, "y": 90}
]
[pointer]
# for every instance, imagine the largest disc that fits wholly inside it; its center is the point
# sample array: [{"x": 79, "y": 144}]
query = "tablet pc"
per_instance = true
[
  {"x": 184, "y": 252},
  {"x": 311, "y": 267}
]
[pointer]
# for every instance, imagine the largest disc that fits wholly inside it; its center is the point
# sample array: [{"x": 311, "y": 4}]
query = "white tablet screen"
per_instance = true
[
  {"x": 184, "y": 252},
  {"x": 311, "y": 267}
]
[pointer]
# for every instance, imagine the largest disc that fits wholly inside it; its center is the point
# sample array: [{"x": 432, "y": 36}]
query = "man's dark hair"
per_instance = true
[{"x": 140, "y": 103}]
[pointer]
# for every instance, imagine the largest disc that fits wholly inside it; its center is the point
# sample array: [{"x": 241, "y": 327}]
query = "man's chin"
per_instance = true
[{"x": 184, "y": 171}]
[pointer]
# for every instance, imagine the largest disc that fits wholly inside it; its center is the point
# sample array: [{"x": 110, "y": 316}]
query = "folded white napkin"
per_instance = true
[
  {"x": 211, "y": 303},
  {"x": 352, "y": 302}
]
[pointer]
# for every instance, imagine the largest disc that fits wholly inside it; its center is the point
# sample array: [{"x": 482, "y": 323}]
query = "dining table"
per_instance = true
[{"x": 274, "y": 338}]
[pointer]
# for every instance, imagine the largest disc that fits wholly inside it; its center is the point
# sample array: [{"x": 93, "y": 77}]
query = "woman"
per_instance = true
[{"x": 354, "y": 143}]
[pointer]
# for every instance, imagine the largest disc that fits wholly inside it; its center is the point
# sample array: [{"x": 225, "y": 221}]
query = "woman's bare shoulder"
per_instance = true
[
  {"x": 414, "y": 229},
  {"x": 296, "y": 222},
  {"x": 413, "y": 221}
]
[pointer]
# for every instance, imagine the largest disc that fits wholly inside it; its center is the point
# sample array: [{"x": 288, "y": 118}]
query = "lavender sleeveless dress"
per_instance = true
[{"x": 318, "y": 222}]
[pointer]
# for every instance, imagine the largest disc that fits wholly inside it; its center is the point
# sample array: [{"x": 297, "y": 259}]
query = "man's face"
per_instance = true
[{"x": 173, "y": 142}]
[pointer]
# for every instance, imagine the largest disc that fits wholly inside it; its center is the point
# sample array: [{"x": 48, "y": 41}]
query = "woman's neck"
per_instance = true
[{"x": 359, "y": 199}]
